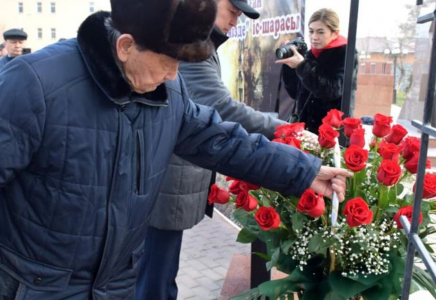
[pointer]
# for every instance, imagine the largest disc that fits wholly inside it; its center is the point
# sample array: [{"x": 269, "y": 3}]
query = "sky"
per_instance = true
[{"x": 376, "y": 17}]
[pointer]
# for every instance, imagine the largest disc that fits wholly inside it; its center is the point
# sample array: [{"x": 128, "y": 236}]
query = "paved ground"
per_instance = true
[{"x": 207, "y": 250}]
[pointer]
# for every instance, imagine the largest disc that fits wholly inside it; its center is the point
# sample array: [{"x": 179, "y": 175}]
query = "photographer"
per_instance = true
[{"x": 315, "y": 80}]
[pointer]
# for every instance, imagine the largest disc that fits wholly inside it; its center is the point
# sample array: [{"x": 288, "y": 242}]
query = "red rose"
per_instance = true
[
  {"x": 390, "y": 151},
  {"x": 326, "y": 136},
  {"x": 355, "y": 158},
  {"x": 245, "y": 201},
  {"x": 239, "y": 186},
  {"x": 357, "y": 212},
  {"x": 218, "y": 195},
  {"x": 267, "y": 218},
  {"x": 350, "y": 124},
  {"x": 282, "y": 131},
  {"x": 429, "y": 188},
  {"x": 372, "y": 143},
  {"x": 405, "y": 211},
  {"x": 382, "y": 125},
  {"x": 410, "y": 145},
  {"x": 291, "y": 141},
  {"x": 396, "y": 134},
  {"x": 311, "y": 204},
  {"x": 333, "y": 118},
  {"x": 358, "y": 137},
  {"x": 411, "y": 164},
  {"x": 389, "y": 172}
]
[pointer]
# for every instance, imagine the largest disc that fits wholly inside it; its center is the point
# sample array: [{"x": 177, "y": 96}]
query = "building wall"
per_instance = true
[
  {"x": 374, "y": 94},
  {"x": 66, "y": 19}
]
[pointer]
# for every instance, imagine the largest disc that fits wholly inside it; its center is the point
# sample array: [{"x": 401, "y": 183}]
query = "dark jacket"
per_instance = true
[
  {"x": 183, "y": 198},
  {"x": 5, "y": 60},
  {"x": 82, "y": 158},
  {"x": 316, "y": 84}
]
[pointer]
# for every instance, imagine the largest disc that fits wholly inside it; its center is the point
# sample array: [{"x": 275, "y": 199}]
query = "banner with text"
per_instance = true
[{"x": 248, "y": 57}]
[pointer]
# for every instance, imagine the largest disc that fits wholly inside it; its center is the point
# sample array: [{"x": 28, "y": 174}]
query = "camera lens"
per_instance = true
[
  {"x": 283, "y": 52},
  {"x": 279, "y": 53}
]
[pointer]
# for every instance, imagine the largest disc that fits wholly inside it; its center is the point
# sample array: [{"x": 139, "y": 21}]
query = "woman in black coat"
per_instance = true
[{"x": 315, "y": 81}]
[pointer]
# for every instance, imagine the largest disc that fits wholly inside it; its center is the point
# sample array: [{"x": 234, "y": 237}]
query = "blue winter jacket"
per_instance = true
[{"x": 82, "y": 158}]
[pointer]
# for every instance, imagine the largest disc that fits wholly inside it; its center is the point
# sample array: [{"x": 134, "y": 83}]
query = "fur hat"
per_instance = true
[{"x": 177, "y": 28}]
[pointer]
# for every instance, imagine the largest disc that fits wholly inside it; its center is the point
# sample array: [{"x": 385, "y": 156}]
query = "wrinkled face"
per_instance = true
[
  {"x": 14, "y": 47},
  {"x": 145, "y": 70},
  {"x": 320, "y": 35},
  {"x": 227, "y": 16}
]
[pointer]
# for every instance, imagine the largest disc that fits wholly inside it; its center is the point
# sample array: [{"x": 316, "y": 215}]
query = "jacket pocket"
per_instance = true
[
  {"x": 140, "y": 162},
  {"x": 137, "y": 255},
  {"x": 36, "y": 275}
]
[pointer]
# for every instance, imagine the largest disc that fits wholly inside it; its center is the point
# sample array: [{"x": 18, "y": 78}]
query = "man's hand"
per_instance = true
[{"x": 331, "y": 179}]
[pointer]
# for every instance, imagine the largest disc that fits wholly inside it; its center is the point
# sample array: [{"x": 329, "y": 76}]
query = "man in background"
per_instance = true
[
  {"x": 182, "y": 202},
  {"x": 3, "y": 51},
  {"x": 15, "y": 40}
]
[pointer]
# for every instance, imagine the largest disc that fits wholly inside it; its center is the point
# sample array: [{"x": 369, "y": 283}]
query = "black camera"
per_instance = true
[{"x": 285, "y": 50}]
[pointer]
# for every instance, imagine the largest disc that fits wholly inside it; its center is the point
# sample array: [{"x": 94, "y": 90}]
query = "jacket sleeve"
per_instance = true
[
  {"x": 227, "y": 148},
  {"x": 291, "y": 81},
  {"x": 322, "y": 83},
  {"x": 22, "y": 115},
  {"x": 206, "y": 87}
]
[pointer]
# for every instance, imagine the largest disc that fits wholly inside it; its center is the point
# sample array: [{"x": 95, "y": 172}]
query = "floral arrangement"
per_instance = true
[{"x": 357, "y": 250}]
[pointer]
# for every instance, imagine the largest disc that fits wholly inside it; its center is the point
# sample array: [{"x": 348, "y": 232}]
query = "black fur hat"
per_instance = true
[{"x": 177, "y": 28}]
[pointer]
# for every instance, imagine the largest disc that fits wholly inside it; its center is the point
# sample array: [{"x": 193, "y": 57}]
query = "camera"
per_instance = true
[
  {"x": 26, "y": 51},
  {"x": 285, "y": 50}
]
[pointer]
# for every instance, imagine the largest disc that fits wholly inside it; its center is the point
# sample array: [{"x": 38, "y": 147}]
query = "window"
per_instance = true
[
  {"x": 38, "y": 7},
  {"x": 39, "y": 33},
  {"x": 91, "y": 7},
  {"x": 384, "y": 67},
  {"x": 53, "y": 33},
  {"x": 372, "y": 68},
  {"x": 52, "y": 7},
  {"x": 20, "y": 7},
  {"x": 362, "y": 68}
]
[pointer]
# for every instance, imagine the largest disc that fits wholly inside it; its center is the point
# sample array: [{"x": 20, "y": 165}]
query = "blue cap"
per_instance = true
[{"x": 14, "y": 34}]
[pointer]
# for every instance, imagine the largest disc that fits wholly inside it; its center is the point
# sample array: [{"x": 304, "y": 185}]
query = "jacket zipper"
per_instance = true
[{"x": 139, "y": 162}]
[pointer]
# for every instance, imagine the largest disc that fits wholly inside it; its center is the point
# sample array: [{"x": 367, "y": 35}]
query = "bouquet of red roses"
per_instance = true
[{"x": 352, "y": 250}]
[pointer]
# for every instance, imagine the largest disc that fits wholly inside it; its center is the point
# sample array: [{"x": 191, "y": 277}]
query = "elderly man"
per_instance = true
[
  {"x": 87, "y": 130},
  {"x": 182, "y": 201},
  {"x": 14, "y": 43}
]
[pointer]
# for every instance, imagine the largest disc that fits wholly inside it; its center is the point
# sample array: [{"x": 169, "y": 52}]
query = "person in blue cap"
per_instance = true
[{"x": 15, "y": 40}]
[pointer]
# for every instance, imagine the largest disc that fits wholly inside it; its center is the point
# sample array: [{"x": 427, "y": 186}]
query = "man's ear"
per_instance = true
[{"x": 125, "y": 45}]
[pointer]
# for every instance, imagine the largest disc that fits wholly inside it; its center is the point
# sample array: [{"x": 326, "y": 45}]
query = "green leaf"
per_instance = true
[
  {"x": 274, "y": 259},
  {"x": 275, "y": 288},
  {"x": 423, "y": 278},
  {"x": 392, "y": 195},
  {"x": 262, "y": 255},
  {"x": 241, "y": 216},
  {"x": 315, "y": 243},
  {"x": 247, "y": 236},
  {"x": 287, "y": 245},
  {"x": 383, "y": 198},
  {"x": 400, "y": 189},
  {"x": 298, "y": 221},
  {"x": 248, "y": 295}
]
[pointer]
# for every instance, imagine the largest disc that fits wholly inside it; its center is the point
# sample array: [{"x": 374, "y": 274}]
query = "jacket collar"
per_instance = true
[
  {"x": 218, "y": 37},
  {"x": 94, "y": 45}
]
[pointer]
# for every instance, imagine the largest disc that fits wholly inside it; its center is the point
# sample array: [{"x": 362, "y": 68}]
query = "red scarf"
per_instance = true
[{"x": 337, "y": 42}]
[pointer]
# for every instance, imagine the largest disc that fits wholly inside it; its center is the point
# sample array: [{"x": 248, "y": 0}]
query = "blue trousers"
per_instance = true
[{"x": 159, "y": 265}]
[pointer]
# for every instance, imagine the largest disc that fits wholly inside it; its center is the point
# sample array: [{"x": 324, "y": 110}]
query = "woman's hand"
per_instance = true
[{"x": 292, "y": 61}]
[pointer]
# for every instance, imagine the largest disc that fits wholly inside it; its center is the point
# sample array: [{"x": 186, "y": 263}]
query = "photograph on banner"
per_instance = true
[{"x": 248, "y": 58}]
